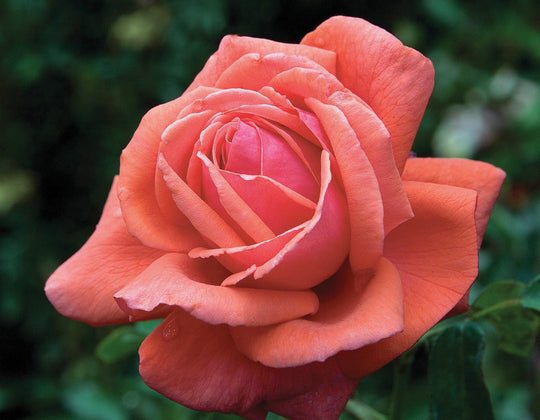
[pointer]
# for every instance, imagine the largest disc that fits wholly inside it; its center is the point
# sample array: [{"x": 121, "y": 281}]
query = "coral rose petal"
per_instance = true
[
  {"x": 83, "y": 287},
  {"x": 482, "y": 177},
  {"x": 396, "y": 81},
  {"x": 243, "y": 258},
  {"x": 234, "y": 205},
  {"x": 242, "y": 102},
  {"x": 317, "y": 251},
  {"x": 326, "y": 402},
  {"x": 253, "y": 71},
  {"x": 299, "y": 83},
  {"x": 177, "y": 280},
  {"x": 215, "y": 376},
  {"x": 177, "y": 144},
  {"x": 375, "y": 141},
  {"x": 362, "y": 309},
  {"x": 280, "y": 161},
  {"x": 228, "y": 99},
  {"x": 361, "y": 187},
  {"x": 179, "y": 138},
  {"x": 136, "y": 190},
  {"x": 436, "y": 256},
  {"x": 207, "y": 222},
  {"x": 233, "y": 47},
  {"x": 280, "y": 207},
  {"x": 245, "y": 151}
]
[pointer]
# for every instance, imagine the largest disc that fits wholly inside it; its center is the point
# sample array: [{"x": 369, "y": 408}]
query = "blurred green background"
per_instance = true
[{"x": 77, "y": 76}]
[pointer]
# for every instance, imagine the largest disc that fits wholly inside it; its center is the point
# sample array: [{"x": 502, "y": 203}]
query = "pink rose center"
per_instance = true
[{"x": 252, "y": 150}]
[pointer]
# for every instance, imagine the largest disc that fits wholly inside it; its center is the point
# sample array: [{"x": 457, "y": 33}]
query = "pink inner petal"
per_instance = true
[
  {"x": 245, "y": 151},
  {"x": 317, "y": 251},
  {"x": 278, "y": 206},
  {"x": 236, "y": 208}
]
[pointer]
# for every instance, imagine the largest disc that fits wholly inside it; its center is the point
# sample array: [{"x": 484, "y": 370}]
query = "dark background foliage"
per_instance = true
[{"x": 77, "y": 76}]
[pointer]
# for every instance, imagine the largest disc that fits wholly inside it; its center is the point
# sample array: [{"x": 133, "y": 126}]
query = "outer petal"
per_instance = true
[
  {"x": 362, "y": 309},
  {"x": 136, "y": 189},
  {"x": 436, "y": 256},
  {"x": 214, "y": 376},
  {"x": 232, "y": 47},
  {"x": 83, "y": 287},
  {"x": 177, "y": 280},
  {"x": 396, "y": 81},
  {"x": 482, "y": 177}
]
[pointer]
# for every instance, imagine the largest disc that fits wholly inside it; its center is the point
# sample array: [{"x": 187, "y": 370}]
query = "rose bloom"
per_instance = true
[{"x": 272, "y": 216}]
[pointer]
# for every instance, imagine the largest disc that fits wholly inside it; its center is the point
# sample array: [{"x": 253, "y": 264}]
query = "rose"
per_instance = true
[{"x": 271, "y": 215}]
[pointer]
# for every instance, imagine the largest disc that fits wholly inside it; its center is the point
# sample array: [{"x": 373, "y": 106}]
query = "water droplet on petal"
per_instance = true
[{"x": 170, "y": 330}]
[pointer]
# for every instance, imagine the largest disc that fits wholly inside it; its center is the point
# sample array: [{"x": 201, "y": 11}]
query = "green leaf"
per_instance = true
[
  {"x": 455, "y": 375},
  {"x": 531, "y": 295},
  {"x": 146, "y": 327},
  {"x": 87, "y": 400},
  {"x": 120, "y": 343},
  {"x": 500, "y": 291},
  {"x": 501, "y": 304}
]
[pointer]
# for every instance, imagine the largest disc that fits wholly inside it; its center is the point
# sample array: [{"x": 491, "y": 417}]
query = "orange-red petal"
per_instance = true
[
  {"x": 136, "y": 189},
  {"x": 436, "y": 257},
  {"x": 364, "y": 309},
  {"x": 197, "y": 365},
  {"x": 232, "y": 47},
  {"x": 253, "y": 71},
  {"x": 396, "y": 81},
  {"x": 481, "y": 177},
  {"x": 364, "y": 200},
  {"x": 83, "y": 287},
  {"x": 375, "y": 142},
  {"x": 177, "y": 280}
]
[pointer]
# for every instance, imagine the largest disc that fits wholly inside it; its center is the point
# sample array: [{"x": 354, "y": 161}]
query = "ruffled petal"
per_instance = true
[
  {"x": 232, "y": 47},
  {"x": 242, "y": 102},
  {"x": 482, "y": 177},
  {"x": 362, "y": 309},
  {"x": 280, "y": 207},
  {"x": 203, "y": 218},
  {"x": 396, "y": 81},
  {"x": 242, "y": 258},
  {"x": 360, "y": 184},
  {"x": 83, "y": 287},
  {"x": 317, "y": 251},
  {"x": 375, "y": 142},
  {"x": 214, "y": 376},
  {"x": 228, "y": 202},
  {"x": 177, "y": 280},
  {"x": 253, "y": 71},
  {"x": 177, "y": 143},
  {"x": 300, "y": 83},
  {"x": 136, "y": 188},
  {"x": 437, "y": 259}
]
